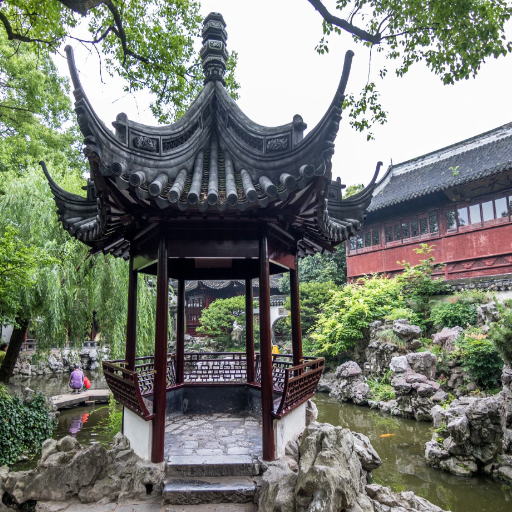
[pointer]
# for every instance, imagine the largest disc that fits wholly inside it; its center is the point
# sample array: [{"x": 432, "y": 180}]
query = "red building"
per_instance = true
[
  {"x": 458, "y": 198},
  {"x": 200, "y": 294}
]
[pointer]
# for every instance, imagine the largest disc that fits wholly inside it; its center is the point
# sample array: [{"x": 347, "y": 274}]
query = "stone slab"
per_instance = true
[
  {"x": 68, "y": 400},
  {"x": 211, "y": 465},
  {"x": 194, "y": 491},
  {"x": 215, "y": 507}
]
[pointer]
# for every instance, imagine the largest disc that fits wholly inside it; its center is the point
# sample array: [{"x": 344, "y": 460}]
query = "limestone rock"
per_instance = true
[
  {"x": 414, "y": 344},
  {"x": 369, "y": 458},
  {"x": 311, "y": 412},
  {"x": 399, "y": 364},
  {"x": 379, "y": 354},
  {"x": 348, "y": 369},
  {"x": 447, "y": 337},
  {"x": 424, "y": 363},
  {"x": 348, "y": 384},
  {"x": 326, "y": 383},
  {"x": 405, "y": 331},
  {"x": 278, "y": 488}
]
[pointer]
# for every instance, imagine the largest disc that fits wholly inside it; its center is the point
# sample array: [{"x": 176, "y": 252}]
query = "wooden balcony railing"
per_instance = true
[
  {"x": 126, "y": 388},
  {"x": 295, "y": 384}
]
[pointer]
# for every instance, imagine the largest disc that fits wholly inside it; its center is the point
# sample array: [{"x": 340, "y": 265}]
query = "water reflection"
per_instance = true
[
  {"x": 403, "y": 464},
  {"x": 58, "y": 384}
]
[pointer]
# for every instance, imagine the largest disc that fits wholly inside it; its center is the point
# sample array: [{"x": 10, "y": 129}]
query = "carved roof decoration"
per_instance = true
[
  {"x": 220, "y": 284},
  {"x": 213, "y": 161}
]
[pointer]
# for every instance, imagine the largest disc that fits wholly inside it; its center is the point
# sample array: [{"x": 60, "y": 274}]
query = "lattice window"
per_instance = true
[
  {"x": 423, "y": 226},
  {"x": 389, "y": 234},
  {"x": 414, "y": 228},
  {"x": 375, "y": 237},
  {"x": 405, "y": 230},
  {"x": 359, "y": 241},
  {"x": 353, "y": 243},
  {"x": 367, "y": 239},
  {"x": 451, "y": 222},
  {"x": 397, "y": 232}
]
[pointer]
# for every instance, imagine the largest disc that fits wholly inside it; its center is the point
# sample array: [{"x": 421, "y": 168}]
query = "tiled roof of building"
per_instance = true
[{"x": 470, "y": 160}]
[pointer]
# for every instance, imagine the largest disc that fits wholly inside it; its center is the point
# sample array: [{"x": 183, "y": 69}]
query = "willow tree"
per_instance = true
[{"x": 68, "y": 285}]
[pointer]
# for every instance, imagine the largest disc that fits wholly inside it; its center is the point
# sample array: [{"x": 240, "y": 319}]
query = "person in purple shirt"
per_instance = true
[{"x": 76, "y": 380}]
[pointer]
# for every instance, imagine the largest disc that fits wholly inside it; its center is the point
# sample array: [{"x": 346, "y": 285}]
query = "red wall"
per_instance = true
[{"x": 479, "y": 252}]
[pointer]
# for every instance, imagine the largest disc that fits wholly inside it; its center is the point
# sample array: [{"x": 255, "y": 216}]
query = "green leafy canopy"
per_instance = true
[
  {"x": 149, "y": 43},
  {"x": 453, "y": 39}
]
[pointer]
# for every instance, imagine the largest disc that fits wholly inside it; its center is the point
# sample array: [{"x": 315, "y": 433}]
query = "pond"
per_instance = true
[{"x": 403, "y": 464}]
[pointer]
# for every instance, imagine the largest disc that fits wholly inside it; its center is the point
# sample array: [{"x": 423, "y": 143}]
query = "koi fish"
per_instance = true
[{"x": 387, "y": 435}]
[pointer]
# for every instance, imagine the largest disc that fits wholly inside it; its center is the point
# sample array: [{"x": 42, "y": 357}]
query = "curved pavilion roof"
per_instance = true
[{"x": 212, "y": 162}]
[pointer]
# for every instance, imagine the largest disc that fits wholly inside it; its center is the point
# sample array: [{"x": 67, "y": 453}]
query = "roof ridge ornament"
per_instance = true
[{"x": 214, "y": 54}]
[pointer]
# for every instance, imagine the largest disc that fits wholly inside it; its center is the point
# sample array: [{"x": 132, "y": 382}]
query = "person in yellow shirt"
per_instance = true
[{"x": 3, "y": 350}]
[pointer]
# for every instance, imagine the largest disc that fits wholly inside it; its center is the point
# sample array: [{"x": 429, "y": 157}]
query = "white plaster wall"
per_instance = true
[
  {"x": 288, "y": 428},
  {"x": 139, "y": 433}
]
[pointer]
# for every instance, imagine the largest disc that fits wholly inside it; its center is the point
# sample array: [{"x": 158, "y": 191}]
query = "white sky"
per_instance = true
[{"x": 281, "y": 75}]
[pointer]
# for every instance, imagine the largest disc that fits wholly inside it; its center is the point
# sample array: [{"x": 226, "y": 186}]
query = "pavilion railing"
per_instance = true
[
  {"x": 126, "y": 388},
  {"x": 295, "y": 384},
  {"x": 300, "y": 383}
]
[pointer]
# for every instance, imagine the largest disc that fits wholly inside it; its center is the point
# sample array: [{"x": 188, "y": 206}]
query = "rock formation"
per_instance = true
[
  {"x": 330, "y": 473},
  {"x": 349, "y": 384},
  {"x": 67, "y": 470},
  {"x": 474, "y": 435}
]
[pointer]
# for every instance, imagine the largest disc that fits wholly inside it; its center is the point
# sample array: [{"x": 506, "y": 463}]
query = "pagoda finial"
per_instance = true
[{"x": 213, "y": 53}]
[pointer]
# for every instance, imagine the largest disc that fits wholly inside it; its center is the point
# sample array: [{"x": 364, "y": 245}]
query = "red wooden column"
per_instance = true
[
  {"x": 249, "y": 330},
  {"x": 180, "y": 333},
  {"x": 161, "y": 332},
  {"x": 295, "y": 314},
  {"x": 131, "y": 322},
  {"x": 267, "y": 398}
]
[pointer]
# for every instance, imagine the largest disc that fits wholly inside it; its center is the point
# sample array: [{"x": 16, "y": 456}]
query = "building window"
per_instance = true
[
  {"x": 414, "y": 228},
  {"x": 367, "y": 239},
  {"x": 462, "y": 216},
  {"x": 501, "y": 207},
  {"x": 398, "y": 233},
  {"x": 423, "y": 226},
  {"x": 487, "y": 211},
  {"x": 405, "y": 230},
  {"x": 353, "y": 246},
  {"x": 432, "y": 219},
  {"x": 389, "y": 234},
  {"x": 359, "y": 241},
  {"x": 474, "y": 214},
  {"x": 375, "y": 237},
  {"x": 451, "y": 222}
]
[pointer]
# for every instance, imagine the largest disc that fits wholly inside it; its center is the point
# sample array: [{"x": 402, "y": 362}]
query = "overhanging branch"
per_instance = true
[{"x": 344, "y": 24}]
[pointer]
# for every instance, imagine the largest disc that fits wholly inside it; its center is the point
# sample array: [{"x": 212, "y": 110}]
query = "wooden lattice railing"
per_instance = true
[
  {"x": 296, "y": 384},
  {"x": 126, "y": 388},
  {"x": 300, "y": 383}
]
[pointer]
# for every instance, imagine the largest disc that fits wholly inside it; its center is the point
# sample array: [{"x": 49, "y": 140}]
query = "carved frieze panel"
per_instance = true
[
  {"x": 145, "y": 143},
  {"x": 278, "y": 144},
  {"x": 172, "y": 143},
  {"x": 250, "y": 140}
]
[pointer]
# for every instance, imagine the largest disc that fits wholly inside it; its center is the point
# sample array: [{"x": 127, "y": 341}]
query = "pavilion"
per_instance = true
[{"x": 212, "y": 196}]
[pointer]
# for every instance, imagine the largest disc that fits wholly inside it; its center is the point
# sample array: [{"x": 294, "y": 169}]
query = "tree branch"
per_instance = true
[
  {"x": 344, "y": 24},
  {"x": 11, "y": 35}
]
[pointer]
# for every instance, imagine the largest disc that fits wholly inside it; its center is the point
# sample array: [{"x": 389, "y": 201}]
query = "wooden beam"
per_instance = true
[
  {"x": 295, "y": 313},
  {"x": 180, "y": 333},
  {"x": 160, "y": 364},
  {"x": 249, "y": 330},
  {"x": 131, "y": 322},
  {"x": 267, "y": 398}
]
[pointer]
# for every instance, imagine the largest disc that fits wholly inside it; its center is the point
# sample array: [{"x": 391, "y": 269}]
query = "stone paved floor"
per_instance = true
[
  {"x": 213, "y": 434},
  {"x": 141, "y": 506}
]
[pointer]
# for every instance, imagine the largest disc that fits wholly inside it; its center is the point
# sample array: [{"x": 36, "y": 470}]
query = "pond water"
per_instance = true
[{"x": 403, "y": 464}]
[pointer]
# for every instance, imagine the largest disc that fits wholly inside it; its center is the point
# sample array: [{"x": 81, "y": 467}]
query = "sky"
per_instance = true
[{"x": 281, "y": 75}]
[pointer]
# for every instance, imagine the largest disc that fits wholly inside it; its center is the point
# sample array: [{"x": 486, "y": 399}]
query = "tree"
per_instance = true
[
  {"x": 149, "y": 43},
  {"x": 320, "y": 268},
  {"x": 501, "y": 332},
  {"x": 452, "y": 38},
  {"x": 34, "y": 105}
]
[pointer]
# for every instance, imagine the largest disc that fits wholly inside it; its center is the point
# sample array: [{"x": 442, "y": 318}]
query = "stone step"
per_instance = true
[
  {"x": 211, "y": 465},
  {"x": 195, "y": 491}
]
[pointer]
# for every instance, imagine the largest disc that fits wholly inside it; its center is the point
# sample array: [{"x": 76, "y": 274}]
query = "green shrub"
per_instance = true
[
  {"x": 391, "y": 337},
  {"x": 402, "y": 313},
  {"x": 381, "y": 389},
  {"x": 108, "y": 427},
  {"x": 480, "y": 358},
  {"x": 452, "y": 314},
  {"x": 351, "y": 309},
  {"x": 501, "y": 332},
  {"x": 23, "y": 427}
]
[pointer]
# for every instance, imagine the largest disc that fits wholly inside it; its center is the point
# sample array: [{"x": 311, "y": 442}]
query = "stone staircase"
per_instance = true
[{"x": 195, "y": 480}]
